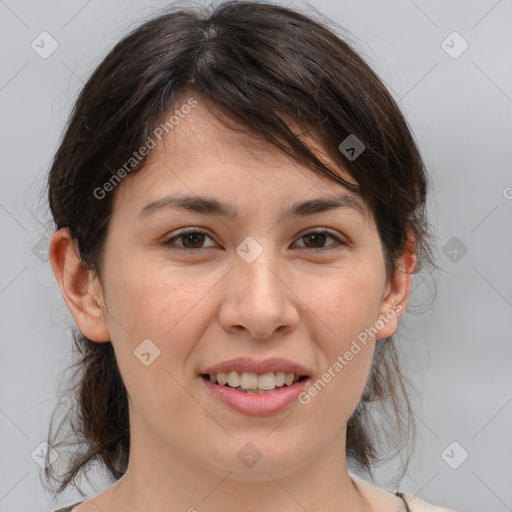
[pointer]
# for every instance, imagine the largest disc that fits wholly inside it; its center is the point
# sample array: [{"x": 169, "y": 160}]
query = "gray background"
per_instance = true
[{"x": 458, "y": 351}]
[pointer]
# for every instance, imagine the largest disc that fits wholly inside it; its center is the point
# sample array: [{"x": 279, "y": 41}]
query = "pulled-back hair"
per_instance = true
[{"x": 269, "y": 70}]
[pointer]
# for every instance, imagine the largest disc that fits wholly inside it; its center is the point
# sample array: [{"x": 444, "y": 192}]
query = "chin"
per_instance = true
[{"x": 258, "y": 460}]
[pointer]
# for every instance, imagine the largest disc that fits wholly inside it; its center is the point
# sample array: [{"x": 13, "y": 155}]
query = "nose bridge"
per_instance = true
[
  {"x": 257, "y": 268},
  {"x": 257, "y": 297},
  {"x": 259, "y": 278}
]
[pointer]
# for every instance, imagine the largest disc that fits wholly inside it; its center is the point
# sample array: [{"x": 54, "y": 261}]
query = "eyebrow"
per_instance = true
[{"x": 212, "y": 206}]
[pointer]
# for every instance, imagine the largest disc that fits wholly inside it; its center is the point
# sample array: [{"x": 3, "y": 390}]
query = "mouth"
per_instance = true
[
  {"x": 253, "y": 383},
  {"x": 255, "y": 387}
]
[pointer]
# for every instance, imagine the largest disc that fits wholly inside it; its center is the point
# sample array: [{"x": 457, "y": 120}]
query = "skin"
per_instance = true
[{"x": 204, "y": 308}]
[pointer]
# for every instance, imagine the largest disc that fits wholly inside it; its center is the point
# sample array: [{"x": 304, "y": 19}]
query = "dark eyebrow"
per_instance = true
[
  {"x": 323, "y": 204},
  {"x": 211, "y": 206}
]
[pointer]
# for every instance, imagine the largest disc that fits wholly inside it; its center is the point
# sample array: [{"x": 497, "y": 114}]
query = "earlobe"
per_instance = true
[
  {"x": 395, "y": 302},
  {"x": 79, "y": 287}
]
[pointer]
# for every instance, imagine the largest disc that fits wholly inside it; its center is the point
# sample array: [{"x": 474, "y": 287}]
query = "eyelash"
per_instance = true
[{"x": 168, "y": 243}]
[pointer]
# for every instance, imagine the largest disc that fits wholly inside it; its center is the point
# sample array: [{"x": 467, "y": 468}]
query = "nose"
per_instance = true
[{"x": 258, "y": 299}]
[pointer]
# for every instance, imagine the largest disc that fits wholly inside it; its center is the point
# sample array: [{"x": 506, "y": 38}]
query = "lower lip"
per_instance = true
[{"x": 256, "y": 405}]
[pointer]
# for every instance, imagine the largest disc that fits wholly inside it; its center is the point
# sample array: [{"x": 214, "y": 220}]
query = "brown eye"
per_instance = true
[
  {"x": 191, "y": 241},
  {"x": 315, "y": 241},
  {"x": 194, "y": 239}
]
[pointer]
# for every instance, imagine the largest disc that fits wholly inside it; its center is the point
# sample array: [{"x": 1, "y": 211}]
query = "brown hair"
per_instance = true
[{"x": 263, "y": 67}]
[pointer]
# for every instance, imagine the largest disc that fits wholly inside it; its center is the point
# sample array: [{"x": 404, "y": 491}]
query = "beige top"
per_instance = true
[{"x": 415, "y": 504}]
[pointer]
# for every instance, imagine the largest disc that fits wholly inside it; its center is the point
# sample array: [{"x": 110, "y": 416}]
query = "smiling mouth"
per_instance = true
[{"x": 252, "y": 383}]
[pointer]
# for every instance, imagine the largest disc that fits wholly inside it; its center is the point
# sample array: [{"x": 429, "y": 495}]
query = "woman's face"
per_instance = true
[{"x": 251, "y": 286}]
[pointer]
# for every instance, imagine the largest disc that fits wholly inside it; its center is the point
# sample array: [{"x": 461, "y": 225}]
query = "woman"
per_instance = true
[{"x": 239, "y": 209}]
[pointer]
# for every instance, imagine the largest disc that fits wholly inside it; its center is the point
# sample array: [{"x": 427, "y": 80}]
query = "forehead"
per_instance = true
[{"x": 202, "y": 155}]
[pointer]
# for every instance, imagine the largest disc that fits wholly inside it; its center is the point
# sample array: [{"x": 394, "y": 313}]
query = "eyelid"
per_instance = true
[
  {"x": 318, "y": 230},
  {"x": 168, "y": 239},
  {"x": 324, "y": 231}
]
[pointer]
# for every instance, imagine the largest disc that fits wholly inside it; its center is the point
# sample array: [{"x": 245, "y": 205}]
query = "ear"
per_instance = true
[
  {"x": 398, "y": 290},
  {"x": 80, "y": 287}
]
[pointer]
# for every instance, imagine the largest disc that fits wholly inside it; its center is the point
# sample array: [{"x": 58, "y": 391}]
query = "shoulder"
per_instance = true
[
  {"x": 382, "y": 499},
  {"x": 68, "y": 508},
  {"x": 416, "y": 504}
]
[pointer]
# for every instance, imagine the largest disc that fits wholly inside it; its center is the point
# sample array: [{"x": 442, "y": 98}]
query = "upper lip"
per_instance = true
[{"x": 244, "y": 364}]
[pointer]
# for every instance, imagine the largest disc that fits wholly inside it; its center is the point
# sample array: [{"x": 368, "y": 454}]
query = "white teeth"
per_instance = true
[
  {"x": 233, "y": 379},
  {"x": 280, "y": 376},
  {"x": 267, "y": 381},
  {"x": 248, "y": 381},
  {"x": 222, "y": 379},
  {"x": 252, "y": 381}
]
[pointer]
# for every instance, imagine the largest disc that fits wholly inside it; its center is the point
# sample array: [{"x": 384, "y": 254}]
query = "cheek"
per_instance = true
[
  {"x": 167, "y": 306},
  {"x": 153, "y": 303},
  {"x": 347, "y": 308},
  {"x": 148, "y": 297},
  {"x": 347, "y": 302}
]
